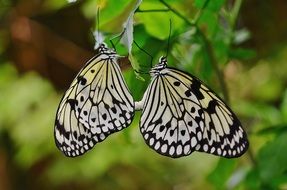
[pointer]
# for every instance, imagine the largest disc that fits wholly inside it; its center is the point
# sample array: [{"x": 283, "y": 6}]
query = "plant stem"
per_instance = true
[
  {"x": 214, "y": 63},
  {"x": 199, "y": 13},
  {"x": 235, "y": 12},
  {"x": 151, "y": 10},
  {"x": 176, "y": 13},
  {"x": 207, "y": 46}
]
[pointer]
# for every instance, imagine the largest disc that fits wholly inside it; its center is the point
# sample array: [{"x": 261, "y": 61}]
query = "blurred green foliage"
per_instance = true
[{"x": 205, "y": 38}]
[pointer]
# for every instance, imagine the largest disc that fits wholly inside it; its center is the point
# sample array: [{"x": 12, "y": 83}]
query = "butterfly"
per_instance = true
[
  {"x": 181, "y": 115},
  {"x": 97, "y": 104}
]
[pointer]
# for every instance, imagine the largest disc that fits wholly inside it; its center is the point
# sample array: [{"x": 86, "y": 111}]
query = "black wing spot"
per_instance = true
[
  {"x": 176, "y": 83},
  {"x": 104, "y": 116},
  {"x": 85, "y": 113},
  {"x": 211, "y": 125},
  {"x": 200, "y": 112},
  {"x": 198, "y": 119},
  {"x": 189, "y": 123},
  {"x": 115, "y": 101},
  {"x": 62, "y": 130},
  {"x": 123, "y": 114},
  {"x": 195, "y": 86},
  {"x": 82, "y": 98},
  {"x": 187, "y": 93},
  {"x": 82, "y": 80},
  {"x": 182, "y": 132},
  {"x": 161, "y": 103},
  {"x": 159, "y": 121},
  {"x": 75, "y": 134},
  {"x": 114, "y": 110},
  {"x": 92, "y": 71},
  {"x": 161, "y": 128},
  {"x": 171, "y": 132},
  {"x": 72, "y": 103},
  {"x": 82, "y": 137},
  {"x": 168, "y": 125},
  {"x": 93, "y": 119},
  {"x": 112, "y": 86},
  {"x": 107, "y": 106},
  {"x": 192, "y": 110},
  {"x": 211, "y": 106}
]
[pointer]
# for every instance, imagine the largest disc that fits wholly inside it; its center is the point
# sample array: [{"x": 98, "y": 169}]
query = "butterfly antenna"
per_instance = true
[
  {"x": 145, "y": 53},
  {"x": 112, "y": 43},
  {"x": 168, "y": 42},
  {"x": 98, "y": 24}
]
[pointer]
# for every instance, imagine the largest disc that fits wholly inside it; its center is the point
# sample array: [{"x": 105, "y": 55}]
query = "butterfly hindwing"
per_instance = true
[
  {"x": 97, "y": 104},
  {"x": 181, "y": 115},
  {"x": 71, "y": 136},
  {"x": 222, "y": 133}
]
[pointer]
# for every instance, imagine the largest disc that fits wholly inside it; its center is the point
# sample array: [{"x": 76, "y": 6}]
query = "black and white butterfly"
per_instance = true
[
  {"x": 97, "y": 104},
  {"x": 182, "y": 115}
]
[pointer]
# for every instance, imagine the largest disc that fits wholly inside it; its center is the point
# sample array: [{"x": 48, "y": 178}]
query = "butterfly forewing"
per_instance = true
[
  {"x": 98, "y": 102},
  {"x": 172, "y": 119},
  {"x": 181, "y": 115},
  {"x": 105, "y": 104}
]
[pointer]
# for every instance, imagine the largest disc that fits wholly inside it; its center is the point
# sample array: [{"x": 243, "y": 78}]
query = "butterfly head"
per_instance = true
[
  {"x": 103, "y": 49},
  {"x": 160, "y": 66}
]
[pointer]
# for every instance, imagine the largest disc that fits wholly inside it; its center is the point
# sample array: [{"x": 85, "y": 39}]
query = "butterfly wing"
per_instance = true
[
  {"x": 99, "y": 102},
  {"x": 209, "y": 123},
  {"x": 71, "y": 136},
  {"x": 223, "y": 134},
  {"x": 171, "y": 122}
]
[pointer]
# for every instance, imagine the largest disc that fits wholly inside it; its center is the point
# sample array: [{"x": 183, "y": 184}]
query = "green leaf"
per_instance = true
[
  {"x": 209, "y": 22},
  {"x": 157, "y": 24},
  {"x": 241, "y": 53},
  {"x": 110, "y": 12},
  {"x": 215, "y": 5},
  {"x": 278, "y": 129},
  {"x": 14, "y": 106},
  {"x": 283, "y": 107},
  {"x": 212, "y": 5},
  {"x": 222, "y": 172},
  {"x": 272, "y": 159},
  {"x": 252, "y": 180},
  {"x": 199, "y": 3}
]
